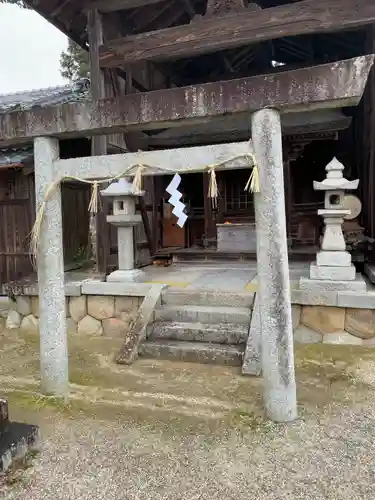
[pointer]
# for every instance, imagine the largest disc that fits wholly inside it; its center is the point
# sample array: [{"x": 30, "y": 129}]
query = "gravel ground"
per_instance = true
[
  {"x": 180, "y": 431},
  {"x": 328, "y": 458}
]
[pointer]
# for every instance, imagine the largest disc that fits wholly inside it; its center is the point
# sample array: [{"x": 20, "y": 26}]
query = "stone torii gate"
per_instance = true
[{"x": 263, "y": 98}]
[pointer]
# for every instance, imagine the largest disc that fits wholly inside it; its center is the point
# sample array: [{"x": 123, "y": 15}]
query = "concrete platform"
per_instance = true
[{"x": 226, "y": 283}]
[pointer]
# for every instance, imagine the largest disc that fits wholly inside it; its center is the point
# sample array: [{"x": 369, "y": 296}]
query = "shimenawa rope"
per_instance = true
[{"x": 252, "y": 185}]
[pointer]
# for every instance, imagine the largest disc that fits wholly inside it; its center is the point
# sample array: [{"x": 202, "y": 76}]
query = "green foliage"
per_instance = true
[{"x": 74, "y": 63}]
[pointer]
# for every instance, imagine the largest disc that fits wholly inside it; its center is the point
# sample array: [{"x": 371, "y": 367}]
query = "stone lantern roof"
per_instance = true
[
  {"x": 120, "y": 188},
  {"x": 335, "y": 180}
]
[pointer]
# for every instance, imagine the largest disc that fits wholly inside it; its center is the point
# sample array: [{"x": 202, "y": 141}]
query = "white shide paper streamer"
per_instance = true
[{"x": 174, "y": 200}]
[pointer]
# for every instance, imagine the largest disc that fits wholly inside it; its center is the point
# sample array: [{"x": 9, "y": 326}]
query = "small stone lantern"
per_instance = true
[
  {"x": 124, "y": 218},
  {"x": 333, "y": 268}
]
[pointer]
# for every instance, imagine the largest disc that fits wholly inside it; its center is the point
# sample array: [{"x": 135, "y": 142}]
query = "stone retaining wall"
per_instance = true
[
  {"x": 86, "y": 314},
  {"x": 334, "y": 325},
  {"x": 111, "y": 315}
]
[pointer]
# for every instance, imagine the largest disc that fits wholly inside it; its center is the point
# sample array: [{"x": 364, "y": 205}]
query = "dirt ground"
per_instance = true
[{"x": 162, "y": 430}]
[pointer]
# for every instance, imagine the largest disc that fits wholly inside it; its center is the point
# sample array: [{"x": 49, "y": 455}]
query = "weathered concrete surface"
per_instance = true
[
  {"x": 330, "y": 273},
  {"x": 209, "y": 298},
  {"x": 50, "y": 262},
  {"x": 193, "y": 352},
  {"x": 357, "y": 285},
  {"x": 194, "y": 159},
  {"x": 273, "y": 270},
  {"x": 135, "y": 429},
  {"x": 204, "y": 314},
  {"x": 338, "y": 84},
  {"x": 138, "y": 328},
  {"x": 252, "y": 358},
  {"x": 200, "y": 332}
]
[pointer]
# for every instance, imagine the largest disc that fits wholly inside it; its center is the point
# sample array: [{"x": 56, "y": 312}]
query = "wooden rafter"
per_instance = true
[
  {"x": 166, "y": 15},
  {"x": 115, "y": 5},
  {"x": 222, "y": 32}
]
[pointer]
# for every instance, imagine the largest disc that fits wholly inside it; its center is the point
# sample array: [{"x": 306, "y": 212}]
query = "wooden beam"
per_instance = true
[
  {"x": 100, "y": 240},
  {"x": 95, "y": 36},
  {"x": 113, "y": 5},
  {"x": 184, "y": 160},
  {"x": 334, "y": 85},
  {"x": 253, "y": 26}
]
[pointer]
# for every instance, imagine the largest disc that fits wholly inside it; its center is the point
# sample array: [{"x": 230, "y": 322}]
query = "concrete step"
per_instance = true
[
  {"x": 204, "y": 314},
  {"x": 210, "y": 255},
  {"x": 209, "y": 298},
  {"x": 200, "y": 332},
  {"x": 193, "y": 352}
]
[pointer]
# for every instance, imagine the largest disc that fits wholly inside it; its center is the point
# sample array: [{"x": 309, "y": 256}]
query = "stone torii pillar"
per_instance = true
[
  {"x": 50, "y": 261},
  {"x": 277, "y": 357}
]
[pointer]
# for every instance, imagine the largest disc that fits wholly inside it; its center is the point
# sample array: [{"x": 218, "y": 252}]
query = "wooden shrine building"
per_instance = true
[{"x": 140, "y": 46}]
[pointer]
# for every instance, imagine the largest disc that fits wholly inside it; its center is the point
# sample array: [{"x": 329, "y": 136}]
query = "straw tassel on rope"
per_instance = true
[
  {"x": 253, "y": 184},
  {"x": 137, "y": 181},
  {"x": 213, "y": 192},
  {"x": 94, "y": 200}
]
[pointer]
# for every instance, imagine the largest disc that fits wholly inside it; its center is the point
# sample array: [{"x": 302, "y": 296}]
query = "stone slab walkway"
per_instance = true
[
  {"x": 223, "y": 276},
  {"x": 226, "y": 276}
]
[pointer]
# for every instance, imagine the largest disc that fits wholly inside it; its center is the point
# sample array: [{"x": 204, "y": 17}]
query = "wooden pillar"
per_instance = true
[
  {"x": 371, "y": 135},
  {"x": 99, "y": 228},
  {"x": 209, "y": 220},
  {"x": 288, "y": 187}
]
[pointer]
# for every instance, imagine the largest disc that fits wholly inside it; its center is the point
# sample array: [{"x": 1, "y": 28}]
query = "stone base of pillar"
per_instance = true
[
  {"x": 128, "y": 276},
  {"x": 319, "y": 286},
  {"x": 332, "y": 273}
]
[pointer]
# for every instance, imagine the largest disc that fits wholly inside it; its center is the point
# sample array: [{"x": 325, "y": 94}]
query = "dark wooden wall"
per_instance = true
[
  {"x": 365, "y": 147},
  {"x": 17, "y": 215},
  {"x": 76, "y": 222}
]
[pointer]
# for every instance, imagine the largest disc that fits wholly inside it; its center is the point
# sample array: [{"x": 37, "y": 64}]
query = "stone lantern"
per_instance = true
[
  {"x": 333, "y": 268},
  {"x": 124, "y": 218}
]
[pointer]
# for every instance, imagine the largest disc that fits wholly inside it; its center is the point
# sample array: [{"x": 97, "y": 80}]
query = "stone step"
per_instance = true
[
  {"x": 193, "y": 352},
  {"x": 204, "y": 314},
  {"x": 200, "y": 332},
  {"x": 209, "y": 298}
]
